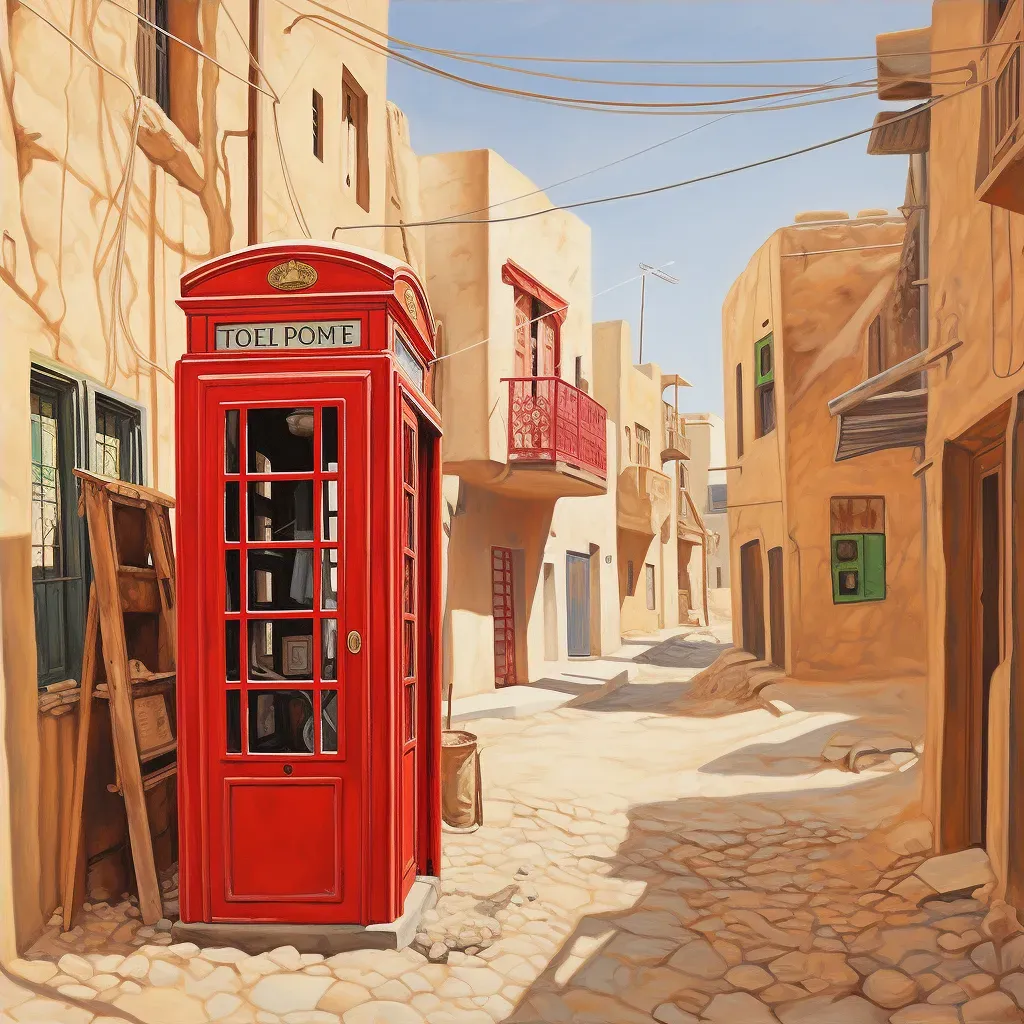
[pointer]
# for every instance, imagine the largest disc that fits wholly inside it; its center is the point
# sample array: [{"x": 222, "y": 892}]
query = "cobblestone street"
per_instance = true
[{"x": 648, "y": 854}]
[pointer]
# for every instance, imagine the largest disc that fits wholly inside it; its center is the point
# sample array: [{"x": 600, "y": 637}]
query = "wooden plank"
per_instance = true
[
  {"x": 887, "y": 378},
  {"x": 81, "y": 758},
  {"x": 118, "y": 488},
  {"x": 1015, "y": 541},
  {"x": 163, "y": 563},
  {"x": 139, "y": 595},
  {"x": 115, "y": 658}
]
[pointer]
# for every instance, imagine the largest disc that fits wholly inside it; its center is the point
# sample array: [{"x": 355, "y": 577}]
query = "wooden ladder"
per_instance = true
[{"x": 133, "y": 573}]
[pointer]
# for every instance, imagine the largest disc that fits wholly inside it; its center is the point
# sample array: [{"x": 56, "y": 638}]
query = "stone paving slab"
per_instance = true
[{"x": 641, "y": 860}]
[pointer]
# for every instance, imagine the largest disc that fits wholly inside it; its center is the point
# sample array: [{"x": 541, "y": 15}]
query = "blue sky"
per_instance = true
[{"x": 709, "y": 230}]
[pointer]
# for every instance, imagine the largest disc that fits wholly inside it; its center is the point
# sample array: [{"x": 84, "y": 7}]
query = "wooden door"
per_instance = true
[
  {"x": 412, "y": 568},
  {"x": 776, "y": 606},
  {"x": 577, "y": 604},
  {"x": 548, "y": 347},
  {"x": 503, "y": 605},
  {"x": 752, "y": 598},
  {"x": 284, "y": 506},
  {"x": 523, "y": 366},
  {"x": 986, "y": 626}
]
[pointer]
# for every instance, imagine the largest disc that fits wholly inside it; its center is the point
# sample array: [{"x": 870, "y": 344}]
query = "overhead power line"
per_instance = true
[
  {"x": 677, "y": 109},
  {"x": 658, "y": 189}
]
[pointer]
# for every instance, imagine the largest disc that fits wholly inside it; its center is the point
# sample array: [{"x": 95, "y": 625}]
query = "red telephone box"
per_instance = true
[{"x": 308, "y": 534}]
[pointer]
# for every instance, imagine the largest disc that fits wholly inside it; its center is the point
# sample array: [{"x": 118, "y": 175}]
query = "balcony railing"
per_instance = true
[
  {"x": 678, "y": 446},
  {"x": 1002, "y": 135},
  {"x": 551, "y": 421}
]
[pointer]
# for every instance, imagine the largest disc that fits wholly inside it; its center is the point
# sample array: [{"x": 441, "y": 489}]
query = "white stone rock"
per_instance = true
[
  {"x": 221, "y": 1005},
  {"x": 164, "y": 975},
  {"x": 136, "y": 966},
  {"x": 954, "y": 872},
  {"x": 379, "y": 1012},
  {"x": 283, "y": 993},
  {"x": 77, "y": 967}
]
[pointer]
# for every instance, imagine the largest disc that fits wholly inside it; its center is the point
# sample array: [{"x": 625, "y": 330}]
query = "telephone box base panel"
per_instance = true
[{"x": 327, "y": 939}]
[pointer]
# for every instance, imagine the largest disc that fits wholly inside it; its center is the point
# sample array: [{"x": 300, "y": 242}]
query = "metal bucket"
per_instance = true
[{"x": 461, "y": 791}]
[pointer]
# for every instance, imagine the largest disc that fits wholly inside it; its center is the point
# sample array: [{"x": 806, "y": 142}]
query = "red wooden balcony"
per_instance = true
[{"x": 555, "y": 427}]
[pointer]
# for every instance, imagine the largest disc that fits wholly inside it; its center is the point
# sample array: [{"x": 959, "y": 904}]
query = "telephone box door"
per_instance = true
[{"x": 285, "y": 509}]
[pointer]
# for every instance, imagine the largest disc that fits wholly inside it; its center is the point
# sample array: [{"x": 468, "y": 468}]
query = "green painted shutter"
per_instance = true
[
  {"x": 874, "y": 566},
  {"x": 764, "y": 361},
  {"x": 840, "y": 566}
]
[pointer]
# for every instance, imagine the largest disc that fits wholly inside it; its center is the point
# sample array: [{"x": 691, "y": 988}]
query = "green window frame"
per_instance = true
[
  {"x": 764, "y": 368},
  {"x": 858, "y": 567}
]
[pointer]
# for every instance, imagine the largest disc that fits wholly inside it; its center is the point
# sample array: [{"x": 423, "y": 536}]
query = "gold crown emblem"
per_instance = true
[{"x": 292, "y": 276}]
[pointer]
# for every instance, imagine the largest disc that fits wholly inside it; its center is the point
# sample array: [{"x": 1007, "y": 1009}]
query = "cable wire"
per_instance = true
[
  {"x": 656, "y": 190},
  {"x": 634, "y": 107}
]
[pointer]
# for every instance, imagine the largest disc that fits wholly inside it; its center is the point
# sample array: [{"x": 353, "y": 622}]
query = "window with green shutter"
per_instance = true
[
  {"x": 858, "y": 567},
  {"x": 764, "y": 384}
]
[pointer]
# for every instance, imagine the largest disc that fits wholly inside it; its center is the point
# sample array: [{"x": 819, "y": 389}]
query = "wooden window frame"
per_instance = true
[
  {"x": 545, "y": 305},
  {"x": 643, "y": 445},
  {"x": 130, "y": 435},
  {"x": 355, "y": 109}
]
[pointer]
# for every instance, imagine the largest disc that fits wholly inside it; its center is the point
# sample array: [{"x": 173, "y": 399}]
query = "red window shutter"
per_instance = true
[
  {"x": 547, "y": 347},
  {"x": 522, "y": 354}
]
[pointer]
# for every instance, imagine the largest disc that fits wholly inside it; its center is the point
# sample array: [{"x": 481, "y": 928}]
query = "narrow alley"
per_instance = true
[{"x": 656, "y": 850}]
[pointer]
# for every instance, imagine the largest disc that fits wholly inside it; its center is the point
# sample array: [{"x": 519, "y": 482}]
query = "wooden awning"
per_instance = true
[
  {"x": 901, "y": 131},
  {"x": 898, "y": 419},
  {"x": 875, "y": 415}
]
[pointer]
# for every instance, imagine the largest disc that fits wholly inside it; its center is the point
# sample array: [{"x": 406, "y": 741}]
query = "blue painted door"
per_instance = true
[{"x": 577, "y": 588}]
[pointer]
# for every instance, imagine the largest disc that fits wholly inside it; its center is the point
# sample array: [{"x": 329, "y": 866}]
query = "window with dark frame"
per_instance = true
[
  {"x": 318, "y": 125},
  {"x": 57, "y": 534},
  {"x": 355, "y": 162},
  {"x": 857, "y": 527},
  {"x": 630, "y": 578},
  {"x": 117, "y": 442},
  {"x": 152, "y": 53},
  {"x": 718, "y": 500},
  {"x": 643, "y": 445},
  {"x": 764, "y": 385}
]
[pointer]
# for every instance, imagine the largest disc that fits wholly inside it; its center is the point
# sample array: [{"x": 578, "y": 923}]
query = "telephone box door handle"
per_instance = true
[{"x": 355, "y": 642}]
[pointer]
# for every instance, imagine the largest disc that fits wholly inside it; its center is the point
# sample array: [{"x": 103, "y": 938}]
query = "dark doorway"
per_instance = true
[
  {"x": 752, "y": 597},
  {"x": 777, "y": 607},
  {"x": 986, "y": 647}
]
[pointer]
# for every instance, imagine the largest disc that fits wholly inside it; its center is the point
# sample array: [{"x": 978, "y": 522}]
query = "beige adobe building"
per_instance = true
[
  {"x": 122, "y": 164},
  {"x": 965, "y": 379},
  {"x": 708, "y": 483},
  {"x": 824, "y": 553},
  {"x": 660, "y": 536},
  {"x": 531, "y": 547}
]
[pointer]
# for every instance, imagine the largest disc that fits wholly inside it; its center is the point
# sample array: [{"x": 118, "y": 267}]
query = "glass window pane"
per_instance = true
[
  {"x": 329, "y": 516},
  {"x": 234, "y": 722},
  {"x": 410, "y": 520},
  {"x": 232, "y": 581},
  {"x": 231, "y": 511},
  {"x": 328, "y": 649},
  {"x": 329, "y": 721},
  {"x": 409, "y": 462},
  {"x": 231, "y": 441},
  {"x": 231, "y": 647},
  {"x": 329, "y": 579},
  {"x": 409, "y": 585},
  {"x": 280, "y": 649},
  {"x": 280, "y": 510},
  {"x": 47, "y": 518},
  {"x": 410, "y": 713},
  {"x": 279, "y": 440},
  {"x": 409, "y": 648},
  {"x": 281, "y": 721},
  {"x": 329, "y": 439},
  {"x": 280, "y": 580}
]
